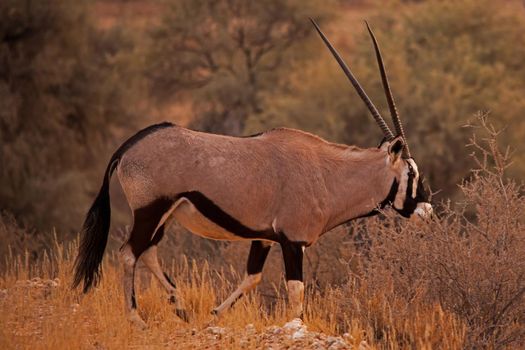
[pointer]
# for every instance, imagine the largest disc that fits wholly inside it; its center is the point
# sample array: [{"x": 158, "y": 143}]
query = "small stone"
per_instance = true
[
  {"x": 216, "y": 331},
  {"x": 275, "y": 330},
  {"x": 338, "y": 344},
  {"x": 293, "y": 325},
  {"x": 317, "y": 345},
  {"x": 299, "y": 334},
  {"x": 243, "y": 343},
  {"x": 330, "y": 340},
  {"x": 348, "y": 337},
  {"x": 74, "y": 307},
  {"x": 50, "y": 283},
  {"x": 363, "y": 345},
  {"x": 250, "y": 329}
]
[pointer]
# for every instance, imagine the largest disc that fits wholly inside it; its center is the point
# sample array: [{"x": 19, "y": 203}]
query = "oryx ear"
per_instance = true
[{"x": 395, "y": 147}]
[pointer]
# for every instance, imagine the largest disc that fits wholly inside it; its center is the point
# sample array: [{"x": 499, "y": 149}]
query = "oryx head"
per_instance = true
[{"x": 411, "y": 197}]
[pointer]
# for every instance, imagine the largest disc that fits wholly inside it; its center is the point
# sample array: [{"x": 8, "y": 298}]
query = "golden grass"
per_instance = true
[{"x": 37, "y": 316}]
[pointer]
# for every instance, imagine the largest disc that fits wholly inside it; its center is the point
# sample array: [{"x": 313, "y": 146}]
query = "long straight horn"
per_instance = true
[
  {"x": 388, "y": 93},
  {"x": 375, "y": 113}
]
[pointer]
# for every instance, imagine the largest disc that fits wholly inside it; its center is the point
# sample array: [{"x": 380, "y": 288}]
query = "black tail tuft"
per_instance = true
[
  {"x": 96, "y": 226},
  {"x": 94, "y": 236}
]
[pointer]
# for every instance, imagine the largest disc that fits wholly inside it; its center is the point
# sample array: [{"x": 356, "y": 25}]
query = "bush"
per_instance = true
[
  {"x": 472, "y": 265},
  {"x": 231, "y": 55}
]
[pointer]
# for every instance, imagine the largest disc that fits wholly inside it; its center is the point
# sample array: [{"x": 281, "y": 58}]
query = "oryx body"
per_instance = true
[
  {"x": 281, "y": 181},
  {"x": 282, "y": 186}
]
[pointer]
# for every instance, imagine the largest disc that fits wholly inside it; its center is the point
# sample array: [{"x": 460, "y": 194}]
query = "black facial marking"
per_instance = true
[
  {"x": 218, "y": 216},
  {"x": 410, "y": 204},
  {"x": 258, "y": 254}
]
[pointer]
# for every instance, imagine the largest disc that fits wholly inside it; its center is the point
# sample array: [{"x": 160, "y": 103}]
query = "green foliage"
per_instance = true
[
  {"x": 230, "y": 54},
  {"x": 59, "y": 100}
]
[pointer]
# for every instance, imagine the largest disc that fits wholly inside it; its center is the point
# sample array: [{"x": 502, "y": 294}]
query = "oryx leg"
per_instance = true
[
  {"x": 258, "y": 253},
  {"x": 145, "y": 222},
  {"x": 293, "y": 265},
  {"x": 151, "y": 260}
]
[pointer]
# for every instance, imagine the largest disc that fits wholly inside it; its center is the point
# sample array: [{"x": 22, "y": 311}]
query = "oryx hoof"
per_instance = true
[
  {"x": 137, "y": 321},
  {"x": 183, "y": 315}
]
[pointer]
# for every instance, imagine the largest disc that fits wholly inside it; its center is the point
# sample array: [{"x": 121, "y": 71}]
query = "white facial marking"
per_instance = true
[
  {"x": 424, "y": 210},
  {"x": 402, "y": 190},
  {"x": 416, "y": 178}
]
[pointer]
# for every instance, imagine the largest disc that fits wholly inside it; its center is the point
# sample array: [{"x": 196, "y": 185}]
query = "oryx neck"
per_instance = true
[{"x": 368, "y": 180}]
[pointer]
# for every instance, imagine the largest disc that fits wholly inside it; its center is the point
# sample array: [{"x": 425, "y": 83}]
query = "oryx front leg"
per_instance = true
[
  {"x": 293, "y": 264},
  {"x": 258, "y": 253}
]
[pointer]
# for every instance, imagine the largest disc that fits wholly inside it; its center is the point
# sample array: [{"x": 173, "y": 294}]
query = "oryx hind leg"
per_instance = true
[
  {"x": 145, "y": 223},
  {"x": 151, "y": 260},
  {"x": 258, "y": 253}
]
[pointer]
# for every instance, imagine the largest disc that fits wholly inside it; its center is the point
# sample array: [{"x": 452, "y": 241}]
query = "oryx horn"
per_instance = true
[
  {"x": 388, "y": 93},
  {"x": 375, "y": 113}
]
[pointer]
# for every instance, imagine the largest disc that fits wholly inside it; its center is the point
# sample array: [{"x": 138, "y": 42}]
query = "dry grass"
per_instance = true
[{"x": 40, "y": 315}]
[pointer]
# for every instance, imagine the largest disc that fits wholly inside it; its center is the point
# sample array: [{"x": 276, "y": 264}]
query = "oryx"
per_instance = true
[{"x": 283, "y": 185}]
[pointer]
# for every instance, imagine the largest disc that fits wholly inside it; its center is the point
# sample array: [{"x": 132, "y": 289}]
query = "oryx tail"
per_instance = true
[{"x": 95, "y": 230}]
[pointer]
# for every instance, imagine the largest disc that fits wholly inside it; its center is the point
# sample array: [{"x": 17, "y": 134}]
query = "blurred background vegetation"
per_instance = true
[{"x": 78, "y": 77}]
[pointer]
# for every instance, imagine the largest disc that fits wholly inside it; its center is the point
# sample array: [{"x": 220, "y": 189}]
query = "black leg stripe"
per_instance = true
[
  {"x": 133, "y": 299},
  {"x": 293, "y": 260},
  {"x": 257, "y": 257}
]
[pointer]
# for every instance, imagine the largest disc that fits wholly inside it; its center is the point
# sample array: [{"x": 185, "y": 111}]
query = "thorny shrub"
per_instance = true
[{"x": 469, "y": 261}]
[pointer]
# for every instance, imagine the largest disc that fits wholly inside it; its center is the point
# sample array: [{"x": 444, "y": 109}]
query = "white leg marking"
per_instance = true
[
  {"x": 296, "y": 297},
  {"x": 247, "y": 284}
]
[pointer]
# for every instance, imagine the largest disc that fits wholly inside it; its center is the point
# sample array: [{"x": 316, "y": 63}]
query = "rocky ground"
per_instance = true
[{"x": 292, "y": 335}]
